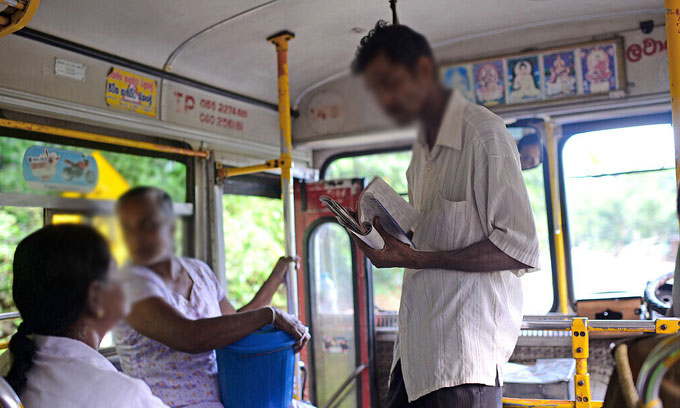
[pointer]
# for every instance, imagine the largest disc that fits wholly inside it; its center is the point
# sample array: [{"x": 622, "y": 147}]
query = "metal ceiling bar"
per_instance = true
[{"x": 167, "y": 67}]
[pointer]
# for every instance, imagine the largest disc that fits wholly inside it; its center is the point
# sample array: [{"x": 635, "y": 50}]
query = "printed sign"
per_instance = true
[
  {"x": 68, "y": 69},
  {"x": 327, "y": 112},
  {"x": 646, "y": 62},
  {"x": 131, "y": 92},
  {"x": 335, "y": 345},
  {"x": 47, "y": 168}
]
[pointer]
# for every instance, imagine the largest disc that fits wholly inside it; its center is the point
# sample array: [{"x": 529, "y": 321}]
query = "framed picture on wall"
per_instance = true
[
  {"x": 524, "y": 79},
  {"x": 599, "y": 68},
  {"x": 578, "y": 71},
  {"x": 459, "y": 77},
  {"x": 559, "y": 70},
  {"x": 489, "y": 82}
]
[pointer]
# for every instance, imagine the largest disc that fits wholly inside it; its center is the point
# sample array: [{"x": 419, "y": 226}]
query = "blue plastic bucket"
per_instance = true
[{"x": 257, "y": 371}]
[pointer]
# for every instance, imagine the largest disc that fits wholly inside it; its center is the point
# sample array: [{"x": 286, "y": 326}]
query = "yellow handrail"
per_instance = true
[
  {"x": 673, "y": 39},
  {"x": 580, "y": 328},
  {"x": 558, "y": 235},
  {"x": 94, "y": 137},
  {"x": 24, "y": 12}
]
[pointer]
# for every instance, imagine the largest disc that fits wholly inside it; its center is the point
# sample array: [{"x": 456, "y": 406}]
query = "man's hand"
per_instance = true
[
  {"x": 291, "y": 325},
  {"x": 394, "y": 254},
  {"x": 278, "y": 274}
]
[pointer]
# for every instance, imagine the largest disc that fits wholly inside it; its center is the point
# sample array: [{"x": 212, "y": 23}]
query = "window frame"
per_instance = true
[
  {"x": 569, "y": 130},
  {"x": 65, "y": 141},
  {"x": 548, "y": 202}
]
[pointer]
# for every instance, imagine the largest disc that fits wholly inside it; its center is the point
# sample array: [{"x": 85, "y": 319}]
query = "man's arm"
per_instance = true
[
  {"x": 483, "y": 256},
  {"x": 155, "y": 318}
]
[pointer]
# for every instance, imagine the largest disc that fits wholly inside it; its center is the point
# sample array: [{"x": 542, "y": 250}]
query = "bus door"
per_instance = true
[{"x": 334, "y": 298}]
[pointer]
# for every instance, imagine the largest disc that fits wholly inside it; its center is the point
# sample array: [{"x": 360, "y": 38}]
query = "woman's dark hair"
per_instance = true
[
  {"x": 400, "y": 44},
  {"x": 53, "y": 270}
]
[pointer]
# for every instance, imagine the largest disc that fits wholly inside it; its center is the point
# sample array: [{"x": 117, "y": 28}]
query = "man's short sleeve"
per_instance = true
[{"x": 502, "y": 199}]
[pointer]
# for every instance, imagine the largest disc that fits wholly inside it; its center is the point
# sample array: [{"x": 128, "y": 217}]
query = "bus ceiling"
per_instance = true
[{"x": 196, "y": 56}]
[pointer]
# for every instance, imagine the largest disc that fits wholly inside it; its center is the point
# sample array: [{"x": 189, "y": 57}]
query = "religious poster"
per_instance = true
[
  {"x": 560, "y": 74},
  {"x": 459, "y": 77},
  {"x": 489, "y": 82},
  {"x": 598, "y": 66},
  {"x": 524, "y": 79}
]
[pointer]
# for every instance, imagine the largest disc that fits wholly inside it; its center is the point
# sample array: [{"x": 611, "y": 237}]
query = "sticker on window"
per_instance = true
[
  {"x": 48, "y": 168},
  {"x": 335, "y": 345}
]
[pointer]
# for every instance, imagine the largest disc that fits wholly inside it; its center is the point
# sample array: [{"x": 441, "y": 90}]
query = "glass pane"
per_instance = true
[
  {"x": 118, "y": 171},
  {"x": 390, "y": 166},
  {"x": 15, "y": 224},
  {"x": 253, "y": 241},
  {"x": 621, "y": 196},
  {"x": 332, "y": 291},
  {"x": 387, "y": 282},
  {"x": 538, "y": 286}
]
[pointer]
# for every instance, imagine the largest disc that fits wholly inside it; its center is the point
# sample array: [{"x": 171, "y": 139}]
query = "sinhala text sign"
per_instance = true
[{"x": 131, "y": 92}]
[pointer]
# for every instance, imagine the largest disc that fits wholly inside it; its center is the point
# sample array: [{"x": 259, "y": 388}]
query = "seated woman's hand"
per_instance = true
[
  {"x": 294, "y": 327},
  {"x": 281, "y": 267}
]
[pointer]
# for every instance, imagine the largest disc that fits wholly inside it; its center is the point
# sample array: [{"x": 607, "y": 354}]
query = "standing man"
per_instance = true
[{"x": 461, "y": 302}]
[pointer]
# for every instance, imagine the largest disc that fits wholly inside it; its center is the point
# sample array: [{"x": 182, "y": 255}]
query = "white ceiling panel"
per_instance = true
[{"x": 236, "y": 56}]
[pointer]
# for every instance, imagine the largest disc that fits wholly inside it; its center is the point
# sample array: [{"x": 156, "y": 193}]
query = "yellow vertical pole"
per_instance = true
[
  {"x": 280, "y": 40},
  {"x": 560, "y": 260},
  {"x": 673, "y": 39}
]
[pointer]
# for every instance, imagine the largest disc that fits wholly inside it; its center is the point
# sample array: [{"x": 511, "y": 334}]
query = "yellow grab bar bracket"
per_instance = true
[
  {"x": 581, "y": 351},
  {"x": 667, "y": 326}
]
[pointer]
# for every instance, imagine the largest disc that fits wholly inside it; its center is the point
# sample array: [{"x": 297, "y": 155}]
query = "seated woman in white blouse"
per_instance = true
[
  {"x": 68, "y": 292},
  {"x": 179, "y": 312}
]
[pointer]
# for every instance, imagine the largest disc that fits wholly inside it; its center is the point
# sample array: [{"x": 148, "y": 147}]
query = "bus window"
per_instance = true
[
  {"x": 391, "y": 166},
  {"x": 620, "y": 196},
  {"x": 538, "y": 296},
  {"x": 537, "y": 286},
  {"x": 117, "y": 173},
  {"x": 253, "y": 241},
  {"x": 332, "y": 312}
]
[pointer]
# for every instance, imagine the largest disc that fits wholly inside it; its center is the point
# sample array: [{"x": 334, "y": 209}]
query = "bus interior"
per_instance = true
[{"x": 247, "y": 112}]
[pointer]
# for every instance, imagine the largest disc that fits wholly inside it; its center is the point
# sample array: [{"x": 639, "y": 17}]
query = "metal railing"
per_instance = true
[{"x": 580, "y": 329}]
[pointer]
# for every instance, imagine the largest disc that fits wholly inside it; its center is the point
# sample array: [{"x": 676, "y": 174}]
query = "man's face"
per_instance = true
[
  {"x": 400, "y": 92},
  {"x": 147, "y": 231},
  {"x": 530, "y": 156}
]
